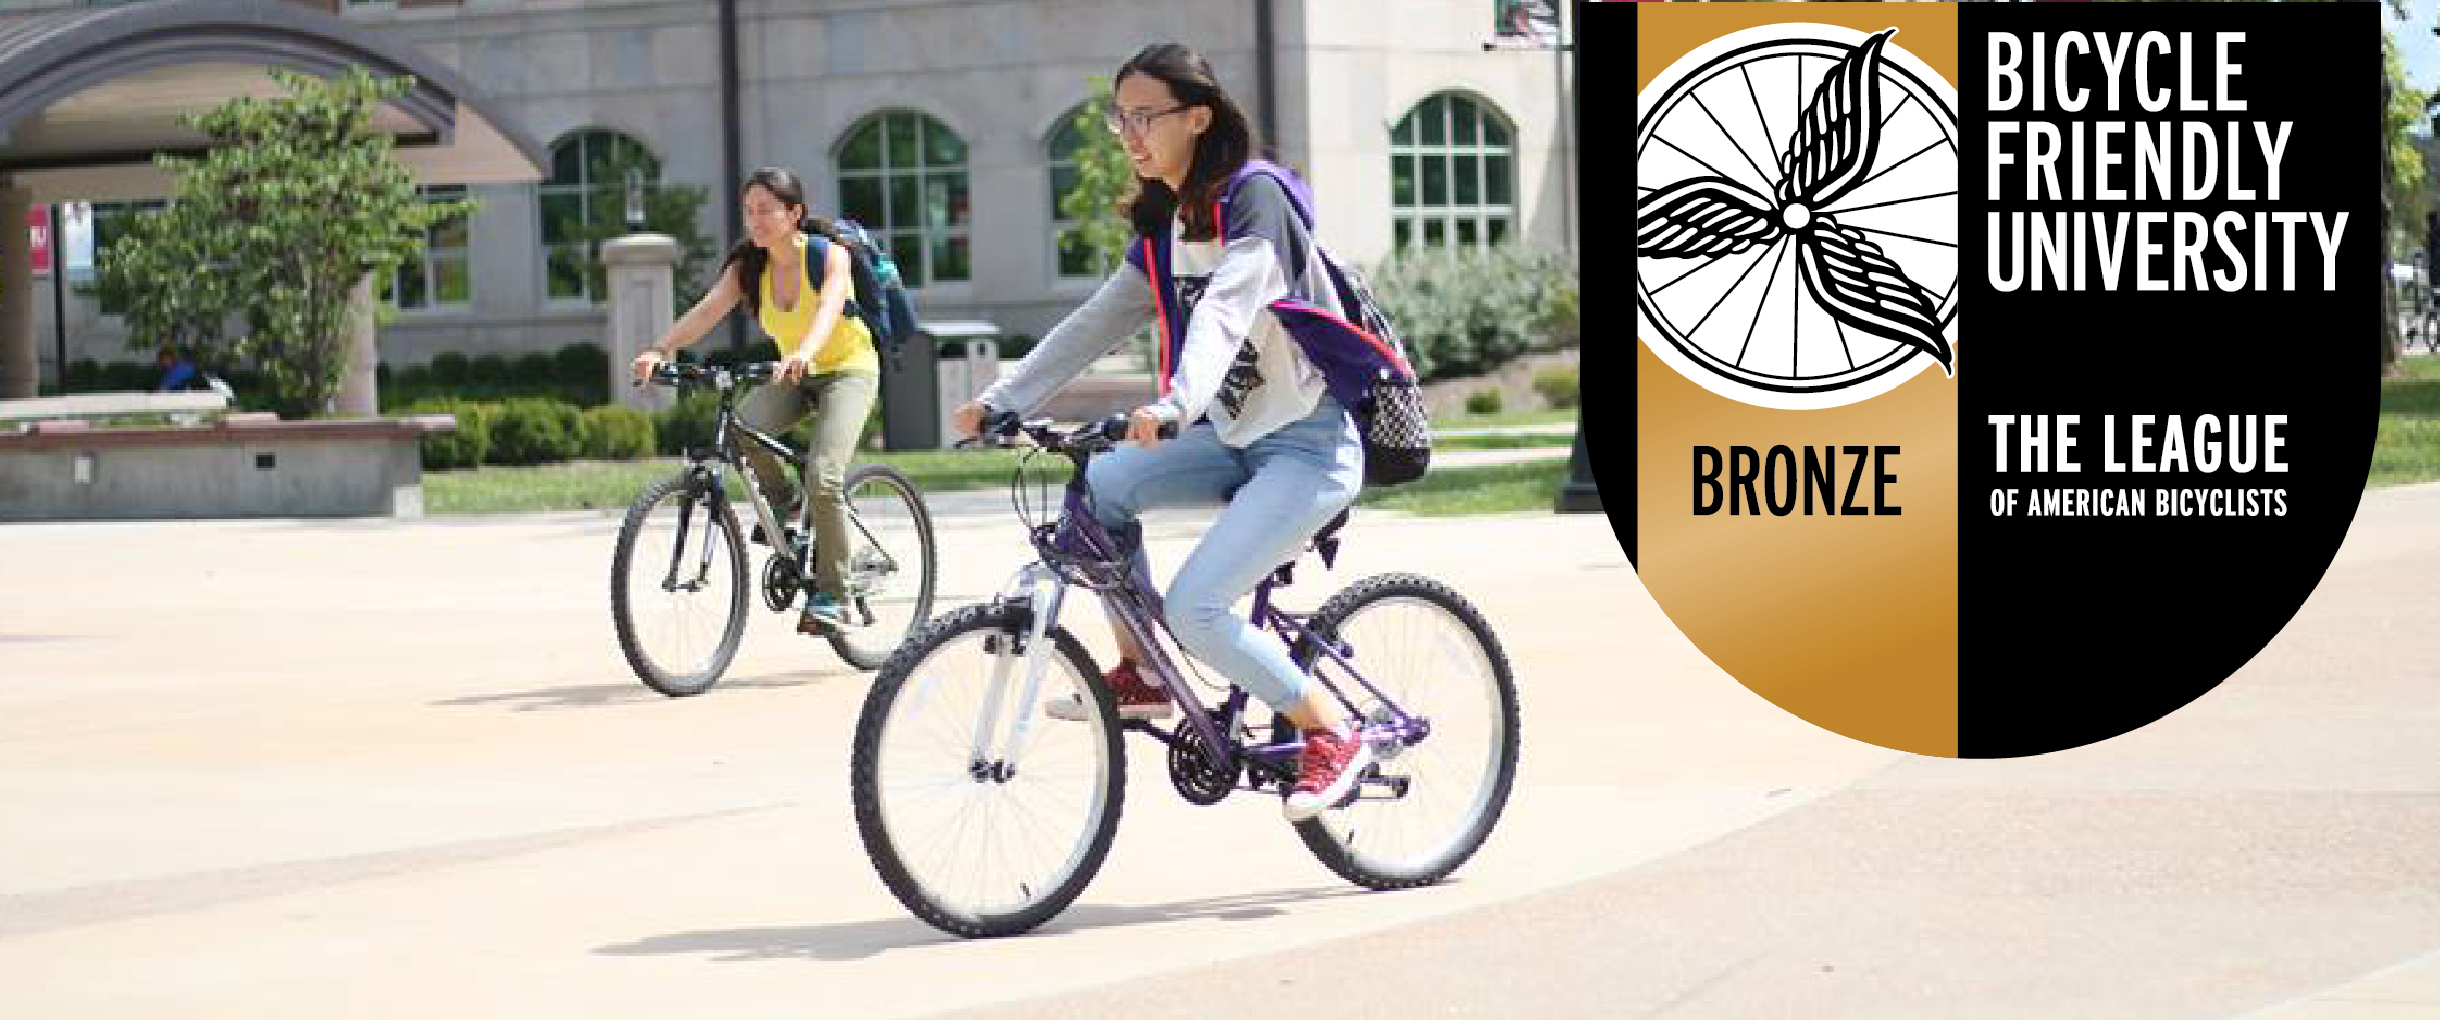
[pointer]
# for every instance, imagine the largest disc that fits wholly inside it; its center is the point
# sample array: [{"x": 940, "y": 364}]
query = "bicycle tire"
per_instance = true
[
  {"x": 861, "y": 648},
  {"x": 1331, "y": 836},
  {"x": 675, "y": 679},
  {"x": 874, "y": 812}
]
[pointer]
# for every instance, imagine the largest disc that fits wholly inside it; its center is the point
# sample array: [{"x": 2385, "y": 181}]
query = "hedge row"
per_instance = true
[{"x": 534, "y": 430}]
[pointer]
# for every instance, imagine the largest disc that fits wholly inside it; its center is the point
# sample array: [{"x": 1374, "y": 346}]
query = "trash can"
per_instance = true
[{"x": 944, "y": 365}]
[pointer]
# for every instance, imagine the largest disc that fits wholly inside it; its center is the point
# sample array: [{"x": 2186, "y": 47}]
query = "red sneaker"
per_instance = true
[
  {"x": 1137, "y": 697},
  {"x": 1332, "y": 762}
]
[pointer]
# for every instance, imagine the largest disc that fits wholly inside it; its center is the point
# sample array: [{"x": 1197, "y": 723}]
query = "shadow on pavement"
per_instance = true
[
  {"x": 858, "y": 940},
  {"x": 599, "y": 695}
]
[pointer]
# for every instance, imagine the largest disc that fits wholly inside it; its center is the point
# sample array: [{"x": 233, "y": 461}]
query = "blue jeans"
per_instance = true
[{"x": 1275, "y": 493}]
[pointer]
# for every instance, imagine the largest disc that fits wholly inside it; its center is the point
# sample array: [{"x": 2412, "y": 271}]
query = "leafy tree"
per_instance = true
[{"x": 255, "y": 259}]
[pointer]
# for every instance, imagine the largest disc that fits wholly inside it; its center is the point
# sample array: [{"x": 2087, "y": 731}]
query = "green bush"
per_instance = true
[
  {"x": 463, "y": 448},
  {"x": 1483, "y": 402},
  {"x": 536, "y": 430},
  {"x": 1558, "y": 387},
  {"x": 451, "y": 369},
  {"x": 617, "y": 433},
  {"x": 489, "y": 370},
  {"x": 1467, "y": 311},
  {"x": 689, "y": 422},
  {"x": 532, "y": 368},
  {"x": 581, "y": 365}
]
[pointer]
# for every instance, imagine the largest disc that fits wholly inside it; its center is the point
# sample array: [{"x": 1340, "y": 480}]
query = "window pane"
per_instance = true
[
  {"x": 1496, "y": 182},
  {"x": 860, "y": 199},
  {"x": 567, "y": 161},
  {"x": 863, "y": 149},
  {"x": 1434, "y": 115},
  {"x": 902, "y": 150},
  {"x": 1461, "y": 120},
  {"x": 950, "y": 258},
  {"x": 1402, "y": 181},
  {"x": 1493, "y": 134},
  {"x": 601, "y": 159},
  {"x": 1404, "y": 133},
  {"x": 449, "y": 233},
  {"x": 1063, "y": 180},
  {"x": 907, "y": 249},
  {"x": 1435, "y": 180},
  {"x": 1465, "y": 232},
  {"x": 563, "y": 217},
  {"x": 1499, "y": 229},
  {"x": 1467, "y": 171},
  {"x": 942, "y": 147},
  {"x": 1066, "y": 140},
  {"x": 944, "y": 200},
  {"x": 905, "y": 205},
  {"x": 456, "y": 285},
  {"x": 1432, "y": 232},
  {"x": 567, "y": 271},
  {"x": 1074, "y": 258},
  {"x": 1405, "y": 232},
  {"x": 410, "y": 286}
]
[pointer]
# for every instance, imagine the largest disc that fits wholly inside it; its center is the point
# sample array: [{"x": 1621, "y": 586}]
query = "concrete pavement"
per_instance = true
[{"x": 272, "y": 768}]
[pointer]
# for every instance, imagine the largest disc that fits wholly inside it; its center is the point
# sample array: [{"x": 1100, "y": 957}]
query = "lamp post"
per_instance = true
[{"x": 1580, "y": 494}]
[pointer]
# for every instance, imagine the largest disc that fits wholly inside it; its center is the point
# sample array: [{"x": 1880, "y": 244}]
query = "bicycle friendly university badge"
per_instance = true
[{"x": 2002, "y": 375}]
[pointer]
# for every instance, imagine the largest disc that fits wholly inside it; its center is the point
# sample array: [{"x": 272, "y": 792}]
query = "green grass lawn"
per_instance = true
[
  {"x": 1499, "y": 441},
  {"x": 2408, "y": 449},
  {"x": 1506, "y": 420},
  {"x": 1490, "y": 489}
]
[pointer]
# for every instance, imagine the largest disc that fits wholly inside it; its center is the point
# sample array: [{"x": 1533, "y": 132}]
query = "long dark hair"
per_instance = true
[
  {"x": 784, "y": 186},
  {"x": 1219, "y": 151}
]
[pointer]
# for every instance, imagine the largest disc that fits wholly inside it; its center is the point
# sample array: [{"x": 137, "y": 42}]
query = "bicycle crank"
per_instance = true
[{"x": 779, "y": 583}]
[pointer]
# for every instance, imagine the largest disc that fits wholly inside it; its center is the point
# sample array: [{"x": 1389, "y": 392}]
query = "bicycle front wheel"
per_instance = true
[
  {"x": 891, "y": 565},
  {"x": 975, "y": 837},
  {"x": 678, "y": 587},
  {"x": 1434, "y": 656}
]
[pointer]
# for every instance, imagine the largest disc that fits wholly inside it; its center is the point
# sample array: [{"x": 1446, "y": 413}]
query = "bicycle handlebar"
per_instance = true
[
  {"x": 670, "y": 373},
  {"x": 1003, "y": 427}
]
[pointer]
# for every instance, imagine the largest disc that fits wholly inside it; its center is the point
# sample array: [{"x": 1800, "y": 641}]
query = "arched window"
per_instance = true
[
  {"x": 1453, "y": 173},
  {"x": 1075, "y": 261},
  {"x": 583, "y": 202},
  {"x": 903, "y": 176}
]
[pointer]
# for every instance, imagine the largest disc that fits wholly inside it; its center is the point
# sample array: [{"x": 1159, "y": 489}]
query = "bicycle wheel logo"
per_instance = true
[{"x": 1796, "y": 216}]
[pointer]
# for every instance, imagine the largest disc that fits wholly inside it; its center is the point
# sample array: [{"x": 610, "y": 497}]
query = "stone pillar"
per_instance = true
[
  {"x": 20, "y": 365},
  {"x": 643, "y": 299},
  {"x": 359, "y": 395}
]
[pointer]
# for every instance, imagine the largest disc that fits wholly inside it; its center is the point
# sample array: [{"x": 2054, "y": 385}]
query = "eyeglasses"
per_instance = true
[{"x": 1120, "y": 122}]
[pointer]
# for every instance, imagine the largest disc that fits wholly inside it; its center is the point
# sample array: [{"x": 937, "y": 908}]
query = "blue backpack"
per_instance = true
[{"x": 880, "y": 298}]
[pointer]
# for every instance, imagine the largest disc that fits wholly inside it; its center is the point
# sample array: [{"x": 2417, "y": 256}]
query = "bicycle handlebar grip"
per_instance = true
[{"x": 1002, "y": 423}]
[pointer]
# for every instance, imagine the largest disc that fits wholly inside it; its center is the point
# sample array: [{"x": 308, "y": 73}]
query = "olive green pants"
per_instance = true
[{"x": 840, "y": 402}]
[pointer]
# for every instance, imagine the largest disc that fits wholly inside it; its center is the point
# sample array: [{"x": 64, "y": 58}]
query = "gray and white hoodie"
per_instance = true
[{"x": 1238, "y": 366}]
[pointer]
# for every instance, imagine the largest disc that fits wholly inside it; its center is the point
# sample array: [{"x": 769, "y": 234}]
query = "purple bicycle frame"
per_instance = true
[{"x": 1080, "y": 534}]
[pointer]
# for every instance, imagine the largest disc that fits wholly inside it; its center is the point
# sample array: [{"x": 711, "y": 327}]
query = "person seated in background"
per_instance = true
[{"x": 177, "y": 371}]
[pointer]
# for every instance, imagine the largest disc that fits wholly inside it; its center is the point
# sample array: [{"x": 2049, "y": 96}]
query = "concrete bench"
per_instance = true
[
  {"x": 110, "y": 405},
  {"x": 249, "y": 465}
]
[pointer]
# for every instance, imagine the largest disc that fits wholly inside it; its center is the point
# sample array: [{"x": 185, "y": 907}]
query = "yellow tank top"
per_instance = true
[{"x": 849, "y": 347}]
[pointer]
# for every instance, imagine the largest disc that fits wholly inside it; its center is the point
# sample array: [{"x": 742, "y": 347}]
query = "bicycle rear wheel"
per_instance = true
[
  {"x": 891, "y": 565},
  {"x": 991, "y": 844},
  {"x": 678, "y": 587},
  {"x": 1432, "y": 653}
]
